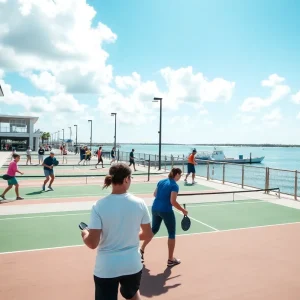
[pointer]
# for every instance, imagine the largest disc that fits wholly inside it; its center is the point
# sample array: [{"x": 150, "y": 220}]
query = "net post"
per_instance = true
[
  {"x": 149, "y": 168},
  {"x": 279, "y": 193},
  {"x": 243, "y": 176},
  {"x": 223, "y": 180},
  {"x": 144, "y": 159},
  {"x": 296, "y": 185},
  {"x": 207, "y": 174},
  {"x": 165, "y": 163}
]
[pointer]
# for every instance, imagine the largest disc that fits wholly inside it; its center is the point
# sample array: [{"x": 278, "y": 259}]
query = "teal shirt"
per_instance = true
[{"x": 48, "y": 161}]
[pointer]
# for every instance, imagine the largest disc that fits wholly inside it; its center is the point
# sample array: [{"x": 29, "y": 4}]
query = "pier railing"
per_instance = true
[{"x": 244, "y": 175}]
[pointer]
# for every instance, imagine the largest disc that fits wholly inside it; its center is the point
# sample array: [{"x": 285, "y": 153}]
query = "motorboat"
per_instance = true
[{"x": 219, "y": 156}]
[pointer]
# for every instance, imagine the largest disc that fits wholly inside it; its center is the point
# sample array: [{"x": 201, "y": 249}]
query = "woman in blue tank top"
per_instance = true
[{"x": 162, "y": 210}]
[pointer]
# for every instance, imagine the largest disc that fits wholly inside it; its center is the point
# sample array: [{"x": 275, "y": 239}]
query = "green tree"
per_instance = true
[{"x": 45, "y": 137}]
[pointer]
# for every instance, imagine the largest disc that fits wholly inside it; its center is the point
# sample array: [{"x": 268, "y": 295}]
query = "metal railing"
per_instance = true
[{"x": 288, "y": 181}]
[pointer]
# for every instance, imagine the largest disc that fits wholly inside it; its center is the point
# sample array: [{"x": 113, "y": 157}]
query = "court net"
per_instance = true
[{"x": 253, "y": 195}]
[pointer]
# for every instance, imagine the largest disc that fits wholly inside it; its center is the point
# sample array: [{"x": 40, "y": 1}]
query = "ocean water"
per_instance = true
[
  {"x": 275, "y": 157},
  {"x": 286, "y": 159}
]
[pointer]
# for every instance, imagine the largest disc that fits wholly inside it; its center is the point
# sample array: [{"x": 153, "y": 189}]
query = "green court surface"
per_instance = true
[
  {"x": 60, "y": 229},
  {"x": 91, "y": 190}
]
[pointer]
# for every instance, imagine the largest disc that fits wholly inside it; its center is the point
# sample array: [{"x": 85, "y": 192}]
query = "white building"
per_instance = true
[{"x": 18, "y": 132}]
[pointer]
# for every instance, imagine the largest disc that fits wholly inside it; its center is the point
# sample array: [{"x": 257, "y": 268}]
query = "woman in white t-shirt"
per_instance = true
[{"x": 118, "y": 222}]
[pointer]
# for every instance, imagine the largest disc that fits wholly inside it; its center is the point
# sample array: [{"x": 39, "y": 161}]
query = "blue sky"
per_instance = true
[{"x": 246, "y": 51}]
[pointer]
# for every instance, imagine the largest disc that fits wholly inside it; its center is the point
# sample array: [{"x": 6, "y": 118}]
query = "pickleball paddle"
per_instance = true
[
  {"x": 82, "y": 226},
  {"x": 185, "y": 222}
]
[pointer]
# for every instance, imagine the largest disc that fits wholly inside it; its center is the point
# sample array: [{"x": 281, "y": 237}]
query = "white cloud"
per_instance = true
[
  {"x": 278, "y": 91},
  {"x": 273, "y": 80},
  {"x": 124, "y": 82},
  {"x": 58, "y": 104},
  {"x": 296, "y": 98},
  {"x": 1, "y": 73},
  {"x": 185, "y": 86},
  {"x": 58, "y": 38},
  {"x": 46, "y": 82}
]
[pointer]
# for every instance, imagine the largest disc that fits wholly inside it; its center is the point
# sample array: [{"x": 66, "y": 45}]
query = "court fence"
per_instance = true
[{"x": 243, "y": 175}]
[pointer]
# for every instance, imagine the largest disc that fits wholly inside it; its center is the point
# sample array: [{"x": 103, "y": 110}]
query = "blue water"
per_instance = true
[
  {"x": 283, "y": 158},
  {"x": 275, "y": 157}
]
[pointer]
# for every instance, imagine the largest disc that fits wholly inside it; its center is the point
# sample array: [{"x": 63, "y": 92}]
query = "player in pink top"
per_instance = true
[{"x": 12, "y": 170}]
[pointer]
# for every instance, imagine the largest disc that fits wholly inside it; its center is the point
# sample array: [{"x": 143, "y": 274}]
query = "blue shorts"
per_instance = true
[
  {"x": 169, "y": 220},
  {"x": 48, "y": 172},
  {"x": 12, "y": 181},
  {"x": 191, "y": 168}
]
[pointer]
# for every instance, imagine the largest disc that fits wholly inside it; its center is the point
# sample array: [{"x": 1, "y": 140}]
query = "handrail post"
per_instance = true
[
  {"x": 149, "y": 168},
  {"x": 207, "y": 174},
  {"x": 223, "y": 180},
  {"x": 243, "y": 175},
  {"x": 296, "y": 185}
]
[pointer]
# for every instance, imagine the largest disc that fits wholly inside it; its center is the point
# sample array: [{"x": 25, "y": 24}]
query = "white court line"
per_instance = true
[
  {"x": 227, "y": 203},
  {"x": 215, "y": 229},
  {"x": 78, "y": 214},
  {"x": 160, "y": 237},
  {"x": 45, "y": 216}
]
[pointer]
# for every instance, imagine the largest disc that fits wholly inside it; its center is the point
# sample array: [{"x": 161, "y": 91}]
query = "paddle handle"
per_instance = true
[{"x": 184, "y": 206}]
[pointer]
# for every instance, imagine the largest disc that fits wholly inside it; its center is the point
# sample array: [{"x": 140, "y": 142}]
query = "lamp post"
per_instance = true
[
  {"x": 76, "y": 134},
  {"x": 91, "y": 132},
  {"x": 70, "y": 133},
  {"x": 63, "y": 135},
  {"x": 155, "y": 99},
  {"x": 1, "y": 92},
  {"x": 115, "y": 137},
  {"x": 58, "y": 136}
]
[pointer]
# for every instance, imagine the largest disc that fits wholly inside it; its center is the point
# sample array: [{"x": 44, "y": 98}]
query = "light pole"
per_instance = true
[
  {"x": 63, "y": 135},
  {"x": 70, "y": 133},
  {"x": 91, "y": 132},
  {"x": 115, "y": 137},
  {"x": 58, "y": 136},
  {"x": 155, "y": 99},
  {"x": 1, "y": 92},
  {"x": 76, "y": 134}
]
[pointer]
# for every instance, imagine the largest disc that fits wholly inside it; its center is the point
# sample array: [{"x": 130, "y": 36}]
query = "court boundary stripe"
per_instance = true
[
  {"x": 2, "y": 217},
  {"x": 160, "y": 237}
]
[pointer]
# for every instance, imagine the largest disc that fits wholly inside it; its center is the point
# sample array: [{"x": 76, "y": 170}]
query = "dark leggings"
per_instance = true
[{"x": 169, "y": 220}]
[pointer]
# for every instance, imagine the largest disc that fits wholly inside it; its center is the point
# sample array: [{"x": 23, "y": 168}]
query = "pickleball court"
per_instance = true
[{"x": 240, "y": 246}]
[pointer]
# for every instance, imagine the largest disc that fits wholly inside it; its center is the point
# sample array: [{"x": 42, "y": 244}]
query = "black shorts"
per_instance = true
[{"x": 107, "y": 288}]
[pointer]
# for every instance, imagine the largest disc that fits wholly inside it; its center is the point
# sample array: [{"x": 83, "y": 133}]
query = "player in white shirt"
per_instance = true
[{"x": 118, "y": 222}]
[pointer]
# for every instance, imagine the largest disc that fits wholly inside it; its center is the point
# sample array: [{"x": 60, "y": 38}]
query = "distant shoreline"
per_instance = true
[{"x": 218, "y": 145}]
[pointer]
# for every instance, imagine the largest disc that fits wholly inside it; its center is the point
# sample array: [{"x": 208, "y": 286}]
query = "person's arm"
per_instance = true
[
  {"x": 45, "y": 165},
  {"x": 155, "y": 192},
  {"x": 91, "y": 236},
  {"x": 176, "y": 204}
]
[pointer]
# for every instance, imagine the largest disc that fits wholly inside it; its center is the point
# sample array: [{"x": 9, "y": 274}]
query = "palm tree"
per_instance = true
[{"x": 45, "y": 137}]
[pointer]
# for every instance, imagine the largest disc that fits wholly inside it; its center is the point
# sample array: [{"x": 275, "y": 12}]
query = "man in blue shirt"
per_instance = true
[
  {"x": 162, "y": 210},
  {"x": 48, "y": 170}
]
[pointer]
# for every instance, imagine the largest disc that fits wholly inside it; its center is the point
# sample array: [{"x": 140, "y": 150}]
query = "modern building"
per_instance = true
[{"x": 18, "y": 132}]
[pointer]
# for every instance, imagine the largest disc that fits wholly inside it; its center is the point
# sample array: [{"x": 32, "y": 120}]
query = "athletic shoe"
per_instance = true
[
  {"x": 174, "y": 262},
  {"x": 50, "y": 188},
  {"x": 1, "y": 196},
  {"x": 43, "y": 187},
  {"x": 19, "y": 198}
]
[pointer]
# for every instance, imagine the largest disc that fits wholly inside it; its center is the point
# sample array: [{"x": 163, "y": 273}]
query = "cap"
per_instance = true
[{"x": 52, "y": 152}]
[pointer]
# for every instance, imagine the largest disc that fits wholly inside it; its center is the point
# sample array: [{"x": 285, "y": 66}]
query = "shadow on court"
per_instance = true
[
  {"x": 38, "y": 192},
  {"x": 154, "y": 285}
]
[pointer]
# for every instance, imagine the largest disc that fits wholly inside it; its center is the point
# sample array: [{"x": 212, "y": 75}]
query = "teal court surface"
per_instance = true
[{"x": 240, "y": 245}]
